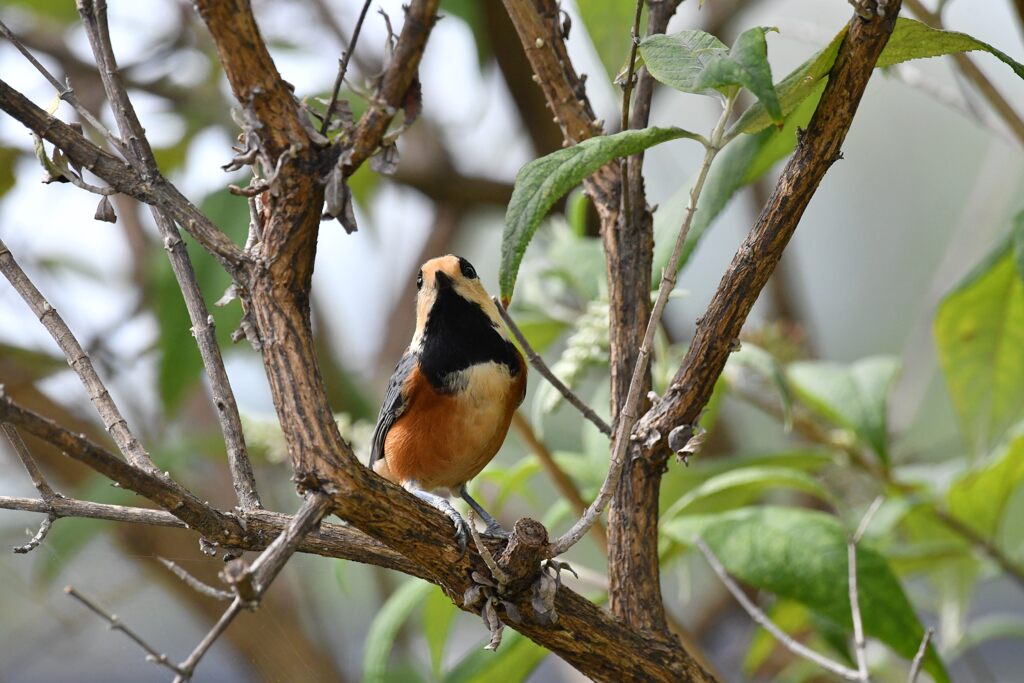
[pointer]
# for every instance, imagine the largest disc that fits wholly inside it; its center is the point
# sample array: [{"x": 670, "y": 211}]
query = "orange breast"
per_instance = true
[{"x": 444, "y": 440}]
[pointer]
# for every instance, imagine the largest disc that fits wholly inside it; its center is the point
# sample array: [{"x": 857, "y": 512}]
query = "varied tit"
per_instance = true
[{"x": 451, "y": 398}]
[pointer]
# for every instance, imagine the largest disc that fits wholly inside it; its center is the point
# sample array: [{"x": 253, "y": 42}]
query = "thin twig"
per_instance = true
[
  {"x": 974, "y": 74},
  {"x": 79, "y": 361},
  {"x": 627, "y": 92},
  {"x": 540, "y": 366},
  {"x": 343, "y": 67},
  {"x": 38, "y": 480},
  {"x": 116, "y": 624},
  {"x": 915, "y": 666},
  {"x": 33, "y": 543},
  {"x": 261, "y": 574},
  {"x": 762, "y": 619},
  {"x": 562, "y": 481},
  {"x": 64, "y": 91},
  {"x": 499, "y": 575},
  {"x": 195, "y": 583},
  {"x": 859, "y": 643},
  {"x": 626, "y": 419},
  {"x": 186, "y": 668}
]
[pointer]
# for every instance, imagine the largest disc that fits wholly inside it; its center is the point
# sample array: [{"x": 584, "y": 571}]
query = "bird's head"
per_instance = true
[{"x": 451, "y": 275}]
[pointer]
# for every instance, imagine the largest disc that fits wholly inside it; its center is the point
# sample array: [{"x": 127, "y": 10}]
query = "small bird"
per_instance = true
[{"x": 451, "y": 398}]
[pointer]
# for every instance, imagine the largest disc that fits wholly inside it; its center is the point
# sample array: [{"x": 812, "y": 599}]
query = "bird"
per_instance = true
[{"x": 450, "y": 400}]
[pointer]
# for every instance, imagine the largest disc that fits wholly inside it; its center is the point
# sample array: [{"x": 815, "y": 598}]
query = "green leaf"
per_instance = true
[
  {"x": 852, "y": 396},
  {"x": 802, "y": 555},
  {"x": 749, "y": 480},
  {"x": 8, "y": 157},
  {"x": 697, "y": 62},
  {"x": 679, "y": 59},
  {"x": 384, "y": 629},
  {"x": 979, "y": 497},
  {"x": 910, "y": 40},
  {"x": 514, "y": 661},
  {"x": 979, "y": 333},
  {"x": 438, "y": 614},
  {"x": 608, "y": 25},
  {"x": 543, "y": 181}
]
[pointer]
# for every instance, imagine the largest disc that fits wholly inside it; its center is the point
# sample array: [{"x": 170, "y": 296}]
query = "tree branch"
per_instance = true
[
  {"x": 79, "y": 361},
  {"x": 818, "y": 148}
]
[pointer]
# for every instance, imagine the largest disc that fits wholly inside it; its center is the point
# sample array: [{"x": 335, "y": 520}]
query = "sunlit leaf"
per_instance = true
[
  {"x": 853, "y": 396},
  {"x": 909, "y": 40},
  {"x": 979, "y": 333},
  {"x": 543, "y": 181},
  {"x": 979, "y": 497},
  {"x": 514, "y": 661},
  {"x": 802, "y": 555},
  {"x": 386, "y": 625},
  {"x": 749, "y": 480},
  {"x": 438, "y": 614}
]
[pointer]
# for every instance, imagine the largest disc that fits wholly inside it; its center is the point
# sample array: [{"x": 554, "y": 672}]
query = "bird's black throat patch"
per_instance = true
[{"x": 458, "y": 335}]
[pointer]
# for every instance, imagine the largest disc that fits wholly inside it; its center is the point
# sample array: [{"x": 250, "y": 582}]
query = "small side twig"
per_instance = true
[
  {"x": 186, "y": 668},
  {"x": 195, "y": 583},
  {"x": 79, "y": 361},
  {"x": 46, "y": 492},
  {"x": 34, "y": 542},
  {"x": 915, "y": 666},
  {"x": 762, "y": 619},
  {"x": 540, "y": 366},
  {"x": 64, "y": 91},
  {"x": 152, "y": 654},
  {"x": 499, "y": 575},
  {"x": 346, "y": 55},
  {"x": 859, "y": 643}
]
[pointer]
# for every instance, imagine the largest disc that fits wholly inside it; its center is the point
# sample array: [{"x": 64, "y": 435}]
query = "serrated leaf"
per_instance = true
[
  {"x": 386, "y": 625},
  {"x": 438, "y": 614},
  {"x": 750, "y": 480},
  {"x": 979, "y": 333},
  {"x": 978, "y": 498},
  {"x": 852, "y": 396},
  {"x": 910, "y": 39},
  {"x": 543, "y": 181},
  {"x": 697, "y": 62},
  {"x": 802, "y": 555}
]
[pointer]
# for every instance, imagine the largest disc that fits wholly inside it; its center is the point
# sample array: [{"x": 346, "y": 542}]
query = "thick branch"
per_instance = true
[{"x": 818, "y": 148}]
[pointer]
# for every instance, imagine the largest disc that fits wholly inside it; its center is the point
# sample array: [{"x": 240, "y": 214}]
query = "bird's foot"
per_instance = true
[{"x": 462, "y": 531}]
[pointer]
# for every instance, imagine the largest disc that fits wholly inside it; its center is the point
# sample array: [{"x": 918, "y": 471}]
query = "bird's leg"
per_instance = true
[
  {"x": 494, "y": 527},
  {"x": 461, "y": 526}
]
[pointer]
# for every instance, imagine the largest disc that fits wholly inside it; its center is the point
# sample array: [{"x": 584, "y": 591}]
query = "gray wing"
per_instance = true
[{"x": 393, "y": 407}]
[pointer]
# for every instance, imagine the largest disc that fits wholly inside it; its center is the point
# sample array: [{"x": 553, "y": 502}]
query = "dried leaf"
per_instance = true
[
  {"x": 230, "y": 294},
  {"x": 338, "y": 200},
  {"x": 385, "y": 161},
  {"x": 105, "y": 211},
  {"x": 512, "y": 612},
  {"x": 413, "y": 102},
  {"x": 494, "y": 625}
]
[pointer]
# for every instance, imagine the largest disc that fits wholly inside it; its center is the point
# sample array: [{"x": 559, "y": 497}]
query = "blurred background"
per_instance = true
[{"x": 929, "y": 184}]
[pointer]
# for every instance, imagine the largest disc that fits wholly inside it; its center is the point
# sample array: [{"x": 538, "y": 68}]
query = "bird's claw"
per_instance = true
[{"x": 498, "y": 530}]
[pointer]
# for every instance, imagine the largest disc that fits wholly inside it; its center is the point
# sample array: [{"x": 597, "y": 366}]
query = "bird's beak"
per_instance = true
[{"x": 442, "y": 281}]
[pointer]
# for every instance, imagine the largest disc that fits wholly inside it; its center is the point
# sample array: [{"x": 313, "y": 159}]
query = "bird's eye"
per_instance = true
[
  {"x": 467, "y": 269},
  {"x": 419, "y": 280}
]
